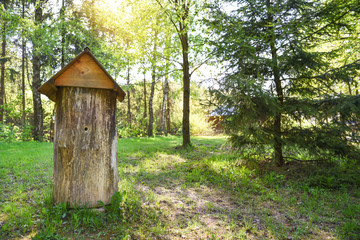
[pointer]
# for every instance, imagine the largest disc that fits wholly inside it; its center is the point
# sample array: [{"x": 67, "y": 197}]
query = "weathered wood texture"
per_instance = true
[
  {"x": 85, "y": 72},
  {"x": 85, "y": 147}
]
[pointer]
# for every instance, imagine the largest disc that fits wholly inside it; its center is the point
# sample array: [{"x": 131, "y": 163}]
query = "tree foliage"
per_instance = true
[
  {"x": 121, "y": 34},
  {"x": 281, "y": 87}
]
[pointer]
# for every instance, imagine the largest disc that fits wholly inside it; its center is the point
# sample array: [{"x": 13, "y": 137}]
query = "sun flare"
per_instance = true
[{"x": 110, "y": 4}]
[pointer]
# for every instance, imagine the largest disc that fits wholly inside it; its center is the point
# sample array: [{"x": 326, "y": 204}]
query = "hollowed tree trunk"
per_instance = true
[{"x": 85, "y": 147}]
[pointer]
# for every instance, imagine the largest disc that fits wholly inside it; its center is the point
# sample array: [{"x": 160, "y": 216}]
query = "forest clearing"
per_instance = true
[
  {"x": 179, "y": 119},
  {"x": 165, "y": 192}
]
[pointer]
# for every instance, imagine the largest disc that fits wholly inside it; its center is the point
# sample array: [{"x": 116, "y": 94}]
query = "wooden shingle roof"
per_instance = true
[{"x": 84, "y": 71}]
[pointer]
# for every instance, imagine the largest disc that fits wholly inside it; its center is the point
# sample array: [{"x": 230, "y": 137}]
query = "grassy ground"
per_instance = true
[{"x": 204, "y": 192}]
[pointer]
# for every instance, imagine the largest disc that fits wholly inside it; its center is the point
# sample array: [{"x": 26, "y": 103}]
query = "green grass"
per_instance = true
[{"x": 165, "y": 192}]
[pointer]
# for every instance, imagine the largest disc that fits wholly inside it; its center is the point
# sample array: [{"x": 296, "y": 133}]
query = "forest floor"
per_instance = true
[{"x": 165, "y": 192}]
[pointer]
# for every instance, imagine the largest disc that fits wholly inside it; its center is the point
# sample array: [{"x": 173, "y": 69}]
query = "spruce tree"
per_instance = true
[{"x": 278, "y": 76}]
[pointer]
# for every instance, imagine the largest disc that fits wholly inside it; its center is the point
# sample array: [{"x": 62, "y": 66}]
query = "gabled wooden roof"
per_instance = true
[{"x": 84, "y": 71}]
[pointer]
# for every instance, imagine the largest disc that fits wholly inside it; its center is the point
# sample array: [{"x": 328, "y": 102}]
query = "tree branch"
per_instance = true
[
  {"x": 167, "y": 13},
  {"x": 327, "y": 25},
  {"x": 170, "y": 60},
  {"x": 174, "y": 70},
  {"x": 207, "y": 59}
]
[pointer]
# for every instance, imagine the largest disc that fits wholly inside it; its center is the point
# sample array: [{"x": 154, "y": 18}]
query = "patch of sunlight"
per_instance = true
[
  {"x": 163, "y": 161},
  {"x": 29, "y": 236},
  {"x": 324, "y": 234},
  {"x": 219, "y": 165},
  {"x": 213, "y": 137},
  {"x": 170, "y": 157},
  {"x": 3, "y": 218}
]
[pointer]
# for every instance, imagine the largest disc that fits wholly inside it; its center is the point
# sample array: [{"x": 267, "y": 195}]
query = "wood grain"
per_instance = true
[
  {"x": 85, "y": 146},
  {"x": 85, "y": 72}
]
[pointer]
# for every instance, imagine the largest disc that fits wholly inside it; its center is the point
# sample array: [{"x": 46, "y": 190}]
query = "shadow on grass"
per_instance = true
[{"x": 205, "y": 187}]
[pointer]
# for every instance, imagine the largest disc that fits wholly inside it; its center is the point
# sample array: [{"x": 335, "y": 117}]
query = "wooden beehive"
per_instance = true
[{"x": 85, "y": 144}]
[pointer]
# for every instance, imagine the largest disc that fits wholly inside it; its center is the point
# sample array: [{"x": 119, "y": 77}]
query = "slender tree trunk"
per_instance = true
[
  {"x": 164, "y": 105},
  {"x": 165, "y": 98},
  {"x": 27, "y": 68},
  {"x": 2, "y": 77},
  {"x": 279, "y": 159},
  {"x": 168, "y": 104},
  {"x": 62, "y": 13},
  {"x": 23, "y": 69},
  {"x": 151, "y": 112},
  {"x": 166, "y": 88},
  {"x": 356, "y": 87},
  {"x": 52, "y": 126},
  {"x": 186, "y": 91},
  {"x": 128, "y": 96},
  {"x": 349, "y": 88},
  {"x": 181, "y": 26},
  {"x": 152, "y": 91},
  {"x": 145, "y": 107},
  {"x": 38, "y": 115}
]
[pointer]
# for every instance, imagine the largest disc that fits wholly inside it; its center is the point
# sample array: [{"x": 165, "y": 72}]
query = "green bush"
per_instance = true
[{"x": 8, "y": 133}]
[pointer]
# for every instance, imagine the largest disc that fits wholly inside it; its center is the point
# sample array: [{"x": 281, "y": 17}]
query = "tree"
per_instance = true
[
  {"x": 37, "y": 105},
  {"x": 3, "y": 59},
  {"x": 152, "y": 89},
  {"x": 62, "y": 30},
  {"x": 144, "y": 95},
  {"x": 128, "y": 96},
  {"x": 183, "y": 15},
  {"x": 165, "y": 112},
  {"x": 8, "y": 24},
  {"x": 178, "y": 12},
  {"x": 340, "y": 21},
  {"x": 165, "y": 107},
  {"x": 272, "y": 74},
  {"x": 23, "y": 51}
]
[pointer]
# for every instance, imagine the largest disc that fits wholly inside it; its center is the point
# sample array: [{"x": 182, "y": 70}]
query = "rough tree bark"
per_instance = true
[
  {"x": 186, "y": 86},
  {"x": 85, "y": 158},
  {"x": 38, "y": 115},
  {"x": 23, "y": 69},
  {"x": 2, "y": 71}
]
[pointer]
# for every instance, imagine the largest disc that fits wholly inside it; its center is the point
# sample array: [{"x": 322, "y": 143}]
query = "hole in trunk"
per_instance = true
[{"x": 86, "y": 128}]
